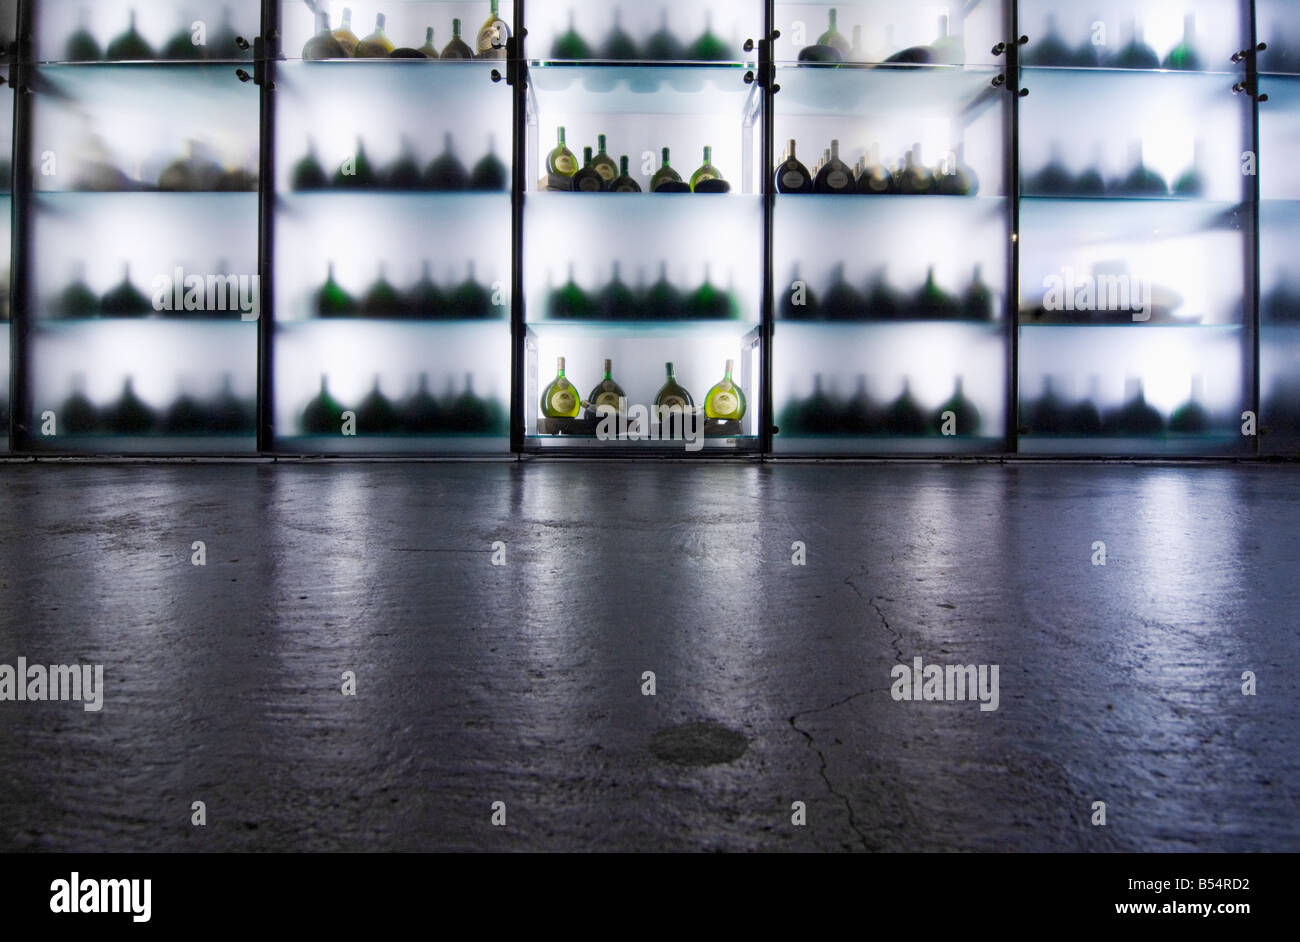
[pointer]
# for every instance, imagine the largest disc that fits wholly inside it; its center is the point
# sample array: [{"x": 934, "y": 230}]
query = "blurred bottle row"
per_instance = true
[
  {"x": 598, "y": 173},
  {"x": 419, "y": 413},
  {"x": 829, "y": 413},
  {"x": 909, "y": 176},
  {"x": 1137, "y": 180},
  {"x": 661, "y": 46},
  {"x": 225, "y": 413},
  {"x": 618, "y": 301},
  {"x": 832, "y": 46},
  {"x": 1281, "y": 304},
  {"x": 196, "y": 171},
  {"x": 342, "y": 43},
  {"x": 444, "y": 172},
  {"x": 1088, "y": 48},
  {"x": 192, "y": 295},
  {"x": 1052, "y": 414},
  {"x": 193, "y": 39},
  {"x": 1109, "y": 295},
  {"x": 424, "y": 300},
  {"x": 841, "y": 301}
]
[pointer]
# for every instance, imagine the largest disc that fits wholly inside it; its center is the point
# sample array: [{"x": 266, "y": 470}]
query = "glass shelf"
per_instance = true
[
  {"x": 695, "y": 89},
  {"x": 918, "y": 90},
  {"x": 157, "y": 24},
  {"x": 731, "y": 23}
]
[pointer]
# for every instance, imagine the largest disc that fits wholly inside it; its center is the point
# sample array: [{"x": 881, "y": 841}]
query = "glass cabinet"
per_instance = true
[{"x": 141, "y": 246}]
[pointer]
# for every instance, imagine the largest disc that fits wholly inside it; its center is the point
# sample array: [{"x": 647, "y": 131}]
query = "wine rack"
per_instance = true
[{"x": 1020, "y": 227}]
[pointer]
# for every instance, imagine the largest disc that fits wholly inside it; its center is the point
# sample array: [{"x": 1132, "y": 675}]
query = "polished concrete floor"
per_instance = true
[{"x": 522, "y": 683}]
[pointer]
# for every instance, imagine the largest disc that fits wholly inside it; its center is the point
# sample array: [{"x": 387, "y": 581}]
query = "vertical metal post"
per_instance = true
[
  {"x": 266, "y": 52},
  {"x": 22, "y": 303},
  {"x": 517, "y": 74}
]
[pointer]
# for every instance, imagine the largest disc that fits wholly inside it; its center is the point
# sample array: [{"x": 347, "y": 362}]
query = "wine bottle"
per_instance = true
[
  {"x": 429, "y": 49},
  {"x": 947, "y": 49},
  {"x": 469, "y": 414},
  {"x": 457, "y": 48},
  {"x": 966, "y": 418},
  {"x": 618, "y": 45},
  {"x": 903, "y": 416},
  {"x": 130, "y": 46},
  {"x": 77, "y": 300},
  {"x": 356, "y": 173},
  {"x": 857, "y": 52},
  {"x": 624, "y": 182},
  {"x": 912, "y": 55},
  {"x": 77, "y": 414},
  {"x": 792, "y": 176},
  {"x": 561, "y": 165},
  {"x": 977, "y": 305},
  {"x": 181, "y": 47},
  {"x": 1183, "y": 56},
  {"x": 860, "y": 414},
  {"x": 1083, "y": 418},
  {"x": 932, "y": 302},
  {"x": 470, "y": 300},
  {"x": 842, "y": 301},
  {"x": 1135, "y": 417},
  {"x": 1087, "y": 55},
  {"x": 1047, "y": 415},
  {"x": 332, "y": 300},
  {"x": 958, "y": 179},
  {"x": 1141, "y": 180},
  {"x": 493, "y": 35},
  {"x": 833, "y": 38},
  {"x": 1281, "y": 304},
  {"x": 875, "y": 179},
  {"x": 560, "y": 399},
  {"x": 125, "y": 300},
  {"x": 916, "y": 179},
  {"x": 1190, "y": 418},
  {"x": 308, "y": 174},
  {"x": 570, "y": 302},
  {"x": 1090, "y": 182},
  {"x": 130, "y": 415},
  {"x": 404, "y": 174},
  {"x": 189, "y": 173},
  {"x": 1051, "y": 50},
  {"x": 604, "y": 164},
  {"x": 709, "y": 48},
  {"x": 407, "y": 52},
  {"x": 344, "y": 35},
  {"x": 376, "y": 415},
  {"x": 230, "y": 415},
  {"x": 377, "y": 45},
  {"x": 883, "y": 303},
  {"x": 662, "y": 46},
  {"x": 490, "y": 173},
  {"x": 587, "y": 180},
  {"x": 569, "y": 45},
  {"x": 706, "y": 171},
  {"x": 446, "y": 172},
  {"x": 82, "y": 45},
  {"x": 607, "y": 393},
  {"x": 1053, "y": 179},
  {"x": 421, "y": 414},
  {"x": 617, "y": 302},
  {"x": 707, "y": 302},
  {"x": 725, "y": 400},
  {"x": 663, "y": 302},
  {"x": 836, "y": 176},
  {"x": 1136, "y": 54},
  {"x": 673, "y": 395},
  {"x": 666, "y": 178},
  {"x": 322, "y": 415},
  {"x": 798, "y": 302},
  {"x": 1191, "y": 183},
  {"x": 382, "y": 300},
  {"x": 185, "y": 416},
  {"x": 424, "y": 300}
]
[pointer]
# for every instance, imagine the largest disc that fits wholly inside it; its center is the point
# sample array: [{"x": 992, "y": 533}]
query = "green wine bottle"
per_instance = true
[
  {"x": 561, "y": 165},
  {"x": 323, "y": 45},
  {"x": 624, "y": 183},
  {"x": 125, "y": 300},
  {"x": 181, "y": 46},
  {"x": 617, "y": 302},
  {"x": 77, "y": 414},
  {"x": 356, "y": 173},
  {"x": 604, "y": 164},
  {"x": 570, "y": 302},
  {"x": 618, "y": 45},
  {"x": 130, "y": 46},
  {"x": 493, "y": 35},
  {"x": 965, "y": 417},
  {"x": 569, "y": 45},
  {"x": 446, "y": 172},
  {"x": 725, "y": 400},
  {"x": 77, "y": 300},
  {"x": 560, "y": 399},
  {"x": 457, "y": 48},
  {"x": 404, "y": 174},
  {"x": 429, "y": 49},
  {"x": 706, "y": 172},
  {"x": 709, "y": 48},
  {"x": 382, "y": 300},
  {"x": 489, "y": 173},
  {"x": 672, "y": 394},
  {"x": 606, "y": 393},
  {"x": 130, "y": 415},
  {"x": 470, "y": 300},
  {"x": 663, "y": 302},
  {"x": 323, "y": 415},
  {"x": 1191, "y": 418},
  {"x": 308, "y": 174},
  {"x": 665, "y": 176},
  {"x": 82, "y": 45},
  {"x": 421, "y": 414},
  {"x": 376, "y": 415},
  {"x": 707, "y": 302},
  {"x": 587, "y": 180},
  {"x": 332, "y": 300},
  {"x": 425, "y": 300},
  {"x": 932, "y": 302}
]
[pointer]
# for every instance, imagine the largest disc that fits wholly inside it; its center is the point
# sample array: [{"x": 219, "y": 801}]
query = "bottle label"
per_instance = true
[
  {"x": 565, "y": 164},
  {"x": 626, "y": 188},
  {"x": 672, "y": 402},
  {"x": 792, "y": 179},
  {"x": 606, "y": 172},
  {"x": 837, "y": 179},
  {"x": 563, "y": 401},
  {"x": 607, "y": 399},
  {"x": 590, "y": 184},
  {"x": 725, "y": 403}
]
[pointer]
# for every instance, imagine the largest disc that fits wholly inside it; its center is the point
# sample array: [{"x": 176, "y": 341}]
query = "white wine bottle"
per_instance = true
[
  {"x": 346, "y": 38},
  {"x": 666, "y": 178},
  {"x": 377, "y": 45},
  {"x": 725, "y": 400},
  {"x": 706, "y": 172},
  {"x": 493, "y": 35},
  {"x": 604, "y": 164},
  {"x": 607, "y": 393},
  {"x": 560, "y": 400},
  {"x": 561, "y": 165},
  {"x": 673, "y": 395}
]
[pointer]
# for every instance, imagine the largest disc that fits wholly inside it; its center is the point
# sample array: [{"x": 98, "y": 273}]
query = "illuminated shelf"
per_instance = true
[
  {"x": 648, "y": 327},
  {"x": 700, "y": 88}
]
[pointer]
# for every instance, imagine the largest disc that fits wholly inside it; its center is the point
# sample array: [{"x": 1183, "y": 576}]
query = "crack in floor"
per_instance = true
[{"x": 821, "y": 757}]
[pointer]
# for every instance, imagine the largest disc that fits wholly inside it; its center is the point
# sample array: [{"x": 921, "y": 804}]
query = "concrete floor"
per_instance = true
[{"x": 522, "y": 683}]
